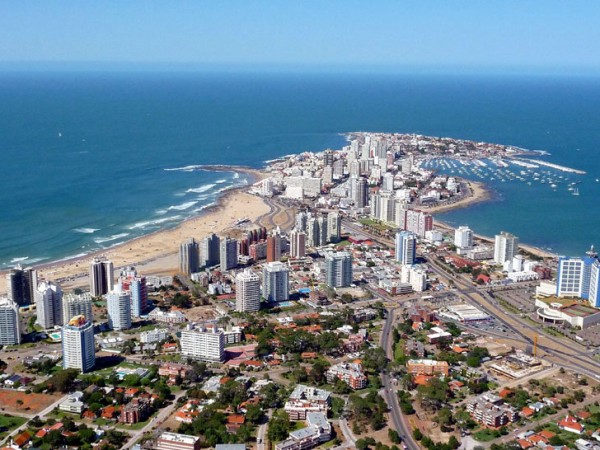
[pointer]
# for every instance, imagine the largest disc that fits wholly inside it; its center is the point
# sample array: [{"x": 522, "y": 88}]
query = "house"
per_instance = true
[
  {"x": 505, "y": 393},
  {"x": 109, "y": 412},
  {"x": 571, "y": 424},
  {"x": 12, "y": 381},
  {"x": 527, "y": 412},
  {"x": 234, "y": 422},
  {"x": 524, "y": 444},
  {"x": 73, "y": 403},
  {"x": 21, "y": 439}
]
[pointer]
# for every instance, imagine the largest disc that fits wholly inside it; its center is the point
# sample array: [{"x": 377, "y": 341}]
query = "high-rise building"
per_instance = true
[
  {"x": 189, "y": 257},
  {"x": 276, "y": 282},
  {"x": 135, "y": 285},
  {"x": 78, "y": 344},
  {"x": 204, "y": 344},
  {"x": 418, "y": 222},
  {"x": 314, "y": 232},
  {"x": 334, "y": 224},
  {"x": 76, "y": 305},
  {"x": 301, "y": 220},
  {"x": 10, "y": 323},
  {"x": 506, "y": 246},
  {"x": 406, "y": 247},
  {"x": 210, "y": 250},
  {"x": 274, "y": 246},
  {"x": 21, "y": 284},
  {"x": 463, "y": 239},
  {"x": 578, "y": 277},
  {"x": 118, "y": 305},
  {"x": 48, "y": 300},
  {"x": 297, "y": 244},
  {"x": 101, "y": 277},
  {"x": 338, "y": 269},
  {"x": 388, "y": 182},
  {"x": 228, "y": 254},
  {"x": 360, "y": 192},
  {"x": 247, "y": 291},
  {"x": 323, "y": 230}
]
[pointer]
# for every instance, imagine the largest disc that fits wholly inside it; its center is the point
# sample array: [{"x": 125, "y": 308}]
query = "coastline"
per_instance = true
[
  {"x": 479, "y": 193},
  {"x": 156, "y": 252}
]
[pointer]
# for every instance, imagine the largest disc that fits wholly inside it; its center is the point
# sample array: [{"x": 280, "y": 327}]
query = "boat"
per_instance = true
[
  {"x": 597, "y": 180},
  {"x": 576, "y": 191}
]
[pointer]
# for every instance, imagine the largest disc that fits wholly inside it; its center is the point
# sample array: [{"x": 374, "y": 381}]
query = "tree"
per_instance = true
[
  {"x": 444, "y": 417},
  {"x": 394, "y": 436},
  {"x": 417, "y": 434},
  {"x": 375, "y": 359},
  {"x": 279, "y": 426}
]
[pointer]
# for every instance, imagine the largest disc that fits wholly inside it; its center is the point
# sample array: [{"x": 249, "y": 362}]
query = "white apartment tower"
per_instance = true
[
  {"x": 78, "y": 344},
  {"x": 334, "y": 223},
  {"x": 207, "y": 345},
  {"x": 101, "y": 277},
  {"x": 48, "y": 300},
  {"x": 118, "y": 304},
  {"x": 10, "y": 324},
  {"x": 463, "y": 239},
  {"x": 506, "y": 246},
  {"x": 338, "y": 269},
  {"x": 77, "y": 305},
  {"x": 247, "y": 291},
  {"x": 406, "y": 247},
  {"x": 276, "y": 282},
  {"x": 210, "y": 250}
]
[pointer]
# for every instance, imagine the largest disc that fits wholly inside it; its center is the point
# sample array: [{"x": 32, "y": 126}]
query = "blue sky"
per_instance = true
[{"x": 509, "y": 34}]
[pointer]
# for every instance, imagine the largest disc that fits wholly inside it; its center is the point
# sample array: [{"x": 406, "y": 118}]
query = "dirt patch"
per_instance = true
[
  {"x": 200, "y": 313},
  {"x": 10, "y": 401}
]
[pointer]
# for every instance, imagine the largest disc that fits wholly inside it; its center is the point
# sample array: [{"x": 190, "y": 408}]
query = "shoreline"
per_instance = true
[
  {"x": 156, "y": 252},
  {"x": 479, "y": 193}
]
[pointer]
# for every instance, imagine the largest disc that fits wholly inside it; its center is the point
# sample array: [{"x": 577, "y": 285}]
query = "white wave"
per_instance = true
[
  {"x": 19, "y": 259},
  {"x": 182, "y": 207},
  {"x": 236, "y": 176},
  {"x": 86, "y": 230},
  {"x": 185, "y": 169},
  {"x": 161, "y": 212},
  {"x": 204, "y": 188},
  {"x": 221, "y": 181},
  {"x": 100, "y": 240},
  {"x": 142, "y": 225}
]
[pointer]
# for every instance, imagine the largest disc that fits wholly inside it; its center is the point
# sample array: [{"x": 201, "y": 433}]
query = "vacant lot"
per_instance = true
[{"x": 16, "y": 402}]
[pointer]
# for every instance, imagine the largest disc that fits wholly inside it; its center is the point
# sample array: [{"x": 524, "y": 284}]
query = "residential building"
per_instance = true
[
  {"x": 506, "y": 246},
  {"x": 360, "y": 191},
  {"x": 73, "y": 403},
  {"x": 167, "y": 317},
  {"x": 118, "y": 305},
  {"x": 228, "y": 254},
  {"x": 463, "y": 239},
  {"x": 210, "y": 249},
  {"x": 297, "y": 244},
  {"x": 305, "y": 399},
  {"x": 189, "y": 257},
  {"x": 176, "y": 441},
  {"x": 203, "y": 344},
  {"x": 137, "y": 410},
  {"x": 77, "y": 305},
  {"x": 48, "y": 299},
  {"x": 490, "y": 410},
  {"x": 274, "y": 246},
  {"x": 101, "y": 277},
  {"x": 317, "y": 431},
  {"x": 131, "y": 282},
  {"x": 247, "y": 291},
  {"x": 406, "y": 247},
  {"x": 276, "y": 284},
  {"x": 338, "y": 269},
  {"x": 21, "y": 284},
  {"x": 156, "y": 335},
  {"x": 334, "y": 226},
  {"x": 10, "y": 323},
  {"x": 78, "y": 344},
  {"x": 427, "y": 367},
  {"x": 350, "y": 373}
]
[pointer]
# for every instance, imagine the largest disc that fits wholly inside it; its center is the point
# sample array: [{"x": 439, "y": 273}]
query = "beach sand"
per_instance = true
[
  {"x": 157, "y": 253},
  {"x": 479, "y": 193}
]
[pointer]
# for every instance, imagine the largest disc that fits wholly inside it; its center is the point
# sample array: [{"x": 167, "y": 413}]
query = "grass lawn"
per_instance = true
[
  {"x": 135, "y": 426},
  {"x": 484, "y": 436},
  {"x": 11, "y": 422},
  {"x": 399, "y": 350},
  {"x": 298, "y": 425}
]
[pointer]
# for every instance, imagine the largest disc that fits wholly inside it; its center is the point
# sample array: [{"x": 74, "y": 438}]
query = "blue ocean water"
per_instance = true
[{"x": 84, "y": 155}]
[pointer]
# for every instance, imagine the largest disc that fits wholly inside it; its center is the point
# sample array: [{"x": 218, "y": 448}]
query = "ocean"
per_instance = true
[{"x": 92, "y": 159}]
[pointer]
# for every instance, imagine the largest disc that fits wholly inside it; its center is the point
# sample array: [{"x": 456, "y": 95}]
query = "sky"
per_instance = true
[{"x": 543, "y": 35}]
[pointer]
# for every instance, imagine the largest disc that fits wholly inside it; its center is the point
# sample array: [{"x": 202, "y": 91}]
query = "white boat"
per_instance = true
[{"x": 576, "y": 191}]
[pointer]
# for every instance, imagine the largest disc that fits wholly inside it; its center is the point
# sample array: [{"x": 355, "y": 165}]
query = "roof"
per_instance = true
[
  {"x": 527, "y": 412},
  {"x": 22, "y": 439},
  {"x": 524, "y": 443},
  {"x": 237, "y": 419},
  {"x": 230, "y": 447}
]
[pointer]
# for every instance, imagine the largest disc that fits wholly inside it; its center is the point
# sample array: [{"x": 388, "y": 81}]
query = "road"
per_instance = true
[
  {"x": 41, "y": 415},
  {"x": 262, "y": 429},
  {"x": 389, "y": 393},
  {"x": 155, "y": 422},
  {"x": 349, "y": 438}
]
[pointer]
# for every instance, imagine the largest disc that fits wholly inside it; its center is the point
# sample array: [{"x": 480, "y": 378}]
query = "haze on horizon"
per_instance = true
[{"x": 465, "y": 35}]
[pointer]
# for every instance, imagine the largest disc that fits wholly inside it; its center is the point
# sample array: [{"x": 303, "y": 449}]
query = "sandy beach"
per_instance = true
[
  {"x": 479, "y": 193},
  {"x": 157, "y": 253}
]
